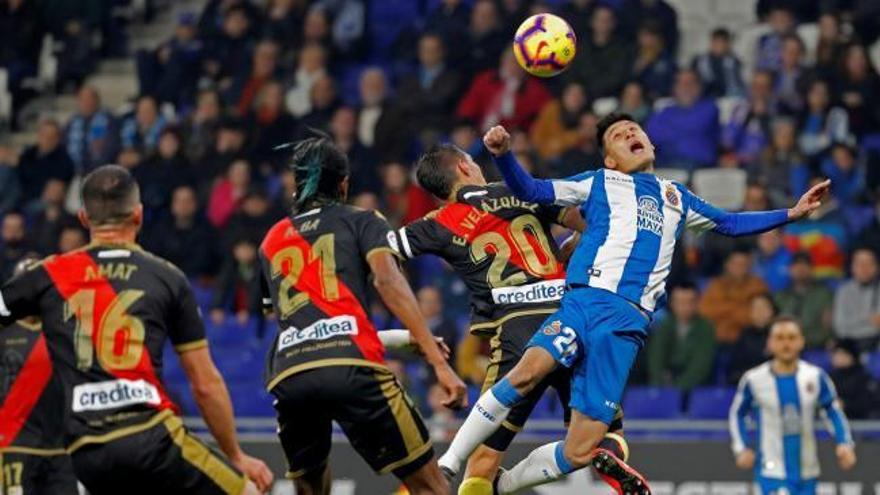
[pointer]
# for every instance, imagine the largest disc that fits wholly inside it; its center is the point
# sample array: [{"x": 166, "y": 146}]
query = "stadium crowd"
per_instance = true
[{"x": 386, "y": 79}]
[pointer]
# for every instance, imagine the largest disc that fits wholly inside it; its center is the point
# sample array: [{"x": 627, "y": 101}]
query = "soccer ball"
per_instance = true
[{"x": 544, "y": 45}]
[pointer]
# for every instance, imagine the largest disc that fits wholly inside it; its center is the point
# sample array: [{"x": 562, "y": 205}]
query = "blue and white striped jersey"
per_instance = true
[
  {"x": 634, "y": 221},
  {"x": 785, "y": 408}
]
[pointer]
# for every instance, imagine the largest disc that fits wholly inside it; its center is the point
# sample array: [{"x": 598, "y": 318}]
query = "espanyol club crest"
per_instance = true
[
  {"x": 553, "y": 328},
  {"x": 671, "y": 195}
]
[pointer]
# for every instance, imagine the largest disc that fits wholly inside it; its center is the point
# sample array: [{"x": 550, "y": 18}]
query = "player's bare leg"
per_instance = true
[
  {"x": 482, "y": 467},
  {"x": 314, "y": 483},
  {"x": 428, "y": 480}
]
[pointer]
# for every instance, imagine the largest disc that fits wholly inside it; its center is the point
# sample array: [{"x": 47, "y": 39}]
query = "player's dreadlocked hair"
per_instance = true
[{"x": 319, "y": 167}]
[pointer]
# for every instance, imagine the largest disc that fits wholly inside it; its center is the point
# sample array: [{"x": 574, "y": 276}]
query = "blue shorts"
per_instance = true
[
  {"x": 771, "y": 486},
  {"x": 597, "y": 334}
]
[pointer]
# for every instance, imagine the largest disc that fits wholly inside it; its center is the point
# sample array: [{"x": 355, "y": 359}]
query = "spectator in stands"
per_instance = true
[
  {"x": 578, "y": 13},
  {"x": 772, "y": 261},
  {"x": 91, "y": 135},
  {"x": 363, "y": 169},
  {"x": 636, "y": 12},
  {"x": 77, "y": 58},
  {"x": 821, "y": 123},
  {"x": 431, "y": 304},
  {"x": 556, "y": 130},
  {"x": 311, "y": 68},
  {"x": 846, "y": 173},
  {"x": 171, "y": 71},
  {"x": 633, "y": 102},
  {"x": 199, "y": 129},
  {"x": 428, "y": 96},
  {"x": 253, "y": 219},
  {"x": 449, "y": 20},
  {"x": 791, "y": 76},
  {"x": 653, "y": 65},
  {"x": 869, "y": 237},
  {"x": 270, "y": 125},
  {"x": 10, "y": 188},
  {"x": 726, "y": 299},
  {"x": 71, "y": 238},
  {"x": 858, "y": 390},
  {"x": 681, "y": 350},
  {"x": 807, "y": 300},
  {"x": 824, "y": 235},
  {"x": 162, "y": 173},
  {"x": 857, "y": 303},
  {"x": 503, "y": 96},
  {"x": 720, "y": 68},
  {"x": 485, "y": 39},
  {"x": 859, "y": 88},
  {"x": 316, "y": 29},
  {"x": 782, "y": 169},
  {"x": 237, "y": 289},
  {"x": 748, "y": 130},
  {"x": 402, "y": 200},
  {"x": 286, "y": 195},
  {"x": 768, "y": 50},
  {"x": 830, "y": 46},
  {"x": 381, "y": 125},
  {"x": 45, "y": 160},
  {"x": 247, "y": 86},
  {"x": 230, "y": 145},
  {"x": 686, "y": 132},
  {"x": 283, "y": 23},
  {"x": 184, "y": 237},
  {"x": 228, "y": 54},
  {"x": 750, "y": 348},
  {"x": 228, "y": 193},
  {"x": 22, "y": 31},
  {"x": 140, "y": 132},
  {"x": 585, "y": 156},
  {"x": 13, "y": 243},
  {"x": 603, "y": 61},
  {"x": 324, "y": 103},
  {"x": 47, "y": 217}
]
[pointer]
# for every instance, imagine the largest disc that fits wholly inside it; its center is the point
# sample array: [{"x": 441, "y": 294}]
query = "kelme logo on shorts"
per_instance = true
[
  {"x": 320, "y": 330},
  {"x": 113, "y": 394}
]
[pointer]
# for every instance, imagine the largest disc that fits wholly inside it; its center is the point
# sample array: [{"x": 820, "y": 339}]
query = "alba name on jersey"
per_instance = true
[
  {"x": 500, "y": 245},
  {"x": 106, "y": 311},
  {"x": 30, "y": 397},
  {"x": 315, "y": 264}
]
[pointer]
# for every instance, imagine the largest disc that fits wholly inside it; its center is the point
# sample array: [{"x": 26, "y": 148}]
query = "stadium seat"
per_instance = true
[
  {"x": 680, "y": 175},
  {"x": 818, "y": 357},
  {"x": 723, "y": 187},
  {"x": 237, "y": 364},
  {"x": 874, "y": 365},
  {"x": 652, "y": 403},
  {"x": 251, "y": 399},
  {"x": 710, "y": 402},
  {"x": 204, "y": 295},
  {"x": 809, "y": 33},
  {"x": 386, "y": 19},
  {"x": 661, "y": 103},
  {"x": 604, "y": 106},
  {"x": 231, "y": 332},
  {"x": 726, "y": 104}
]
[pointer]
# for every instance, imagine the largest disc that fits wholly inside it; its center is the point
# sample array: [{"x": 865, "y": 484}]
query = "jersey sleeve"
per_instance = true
[
  {"x": 565, "y": 192},
  {"x": 187, "y": 331},
  {"x": 739, "y": 410},
  {"x": 20, "y": 295},
  {"x": 422, "y": 237},
  {"x": 830, "y": 404},
  {"x": 703, "y": 216},
  {"x": 375, "y": 235}
]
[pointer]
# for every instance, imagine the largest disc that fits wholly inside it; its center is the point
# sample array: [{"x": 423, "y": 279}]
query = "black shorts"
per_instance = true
[
  {"x": 369, "y": 404},
  {"x": 162, "y": 459},
  {"x": 33, "y": 474},
  {"x": 507, "y": 347}
]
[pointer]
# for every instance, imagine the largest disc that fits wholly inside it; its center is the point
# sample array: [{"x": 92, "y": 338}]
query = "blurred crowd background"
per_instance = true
[{"x": 749, "y": 102}]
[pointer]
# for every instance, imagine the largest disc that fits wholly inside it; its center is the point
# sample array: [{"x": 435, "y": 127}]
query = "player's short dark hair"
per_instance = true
[
  {"x": 786, "y": 319},
  {"x": 609, "y": 120},
  {"x": 110, "y": 195},
  {"x": 319, "y": 167},
  {"x": 721, "y": 32},
  {"x": 435, "y": 170}
]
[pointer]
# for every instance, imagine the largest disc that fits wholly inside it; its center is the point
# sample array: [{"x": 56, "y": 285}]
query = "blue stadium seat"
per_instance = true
[
  {"x": 251, "y": 399},
  {"x": 387, "y": 18},
  {"x": 818, "y": 357},
  {"x": 874, "y": 365},
  {"x": 204, "y": 295},
  {"x": 231, "y": 332},
  {"x": 652, "y": 403},
  {"x": 237, "y": 364},
  {"x": 181, "y": 394},
  {"x": 710, "y": 402}
]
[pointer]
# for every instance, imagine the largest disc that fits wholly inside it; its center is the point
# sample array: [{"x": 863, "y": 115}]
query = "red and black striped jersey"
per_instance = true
[
  {"x": 106, "y": 312},
  {"x": 316, "y": 272},
  {"x": 501, "y": 247},
  {"x": 31, "y": 396}
]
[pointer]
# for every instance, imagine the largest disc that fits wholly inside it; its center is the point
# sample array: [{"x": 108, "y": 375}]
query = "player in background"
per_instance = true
[
  {"x": 502, "y": 248},
  {"x": 783, "y": 396},
  {"x": 32, "y": 456},
  {"x": 615, "y": 279},
  {"x": 327, "y": 363},
  {"x": 107, "y": 310}
]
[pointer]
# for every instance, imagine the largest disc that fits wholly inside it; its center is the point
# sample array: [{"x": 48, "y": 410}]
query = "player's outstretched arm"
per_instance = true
[
  {"x": 212, "y": 397},
  {"x": 523, "y": 185},
  {"x": 398, "y": 296}
]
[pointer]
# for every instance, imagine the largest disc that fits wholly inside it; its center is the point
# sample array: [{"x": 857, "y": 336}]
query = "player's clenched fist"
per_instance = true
[{"x": 497, "y": 140}]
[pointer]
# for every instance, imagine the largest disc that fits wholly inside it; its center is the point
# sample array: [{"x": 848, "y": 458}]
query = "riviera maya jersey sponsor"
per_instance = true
[
  {"x": 114, "y": 394},
  {"x": 321, "y": 330}
]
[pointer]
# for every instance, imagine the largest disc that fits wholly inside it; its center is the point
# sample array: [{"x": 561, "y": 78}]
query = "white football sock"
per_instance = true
[
  {"x": 543, "y": 465},
  {"x": 485, "y": 417}
]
